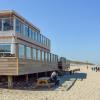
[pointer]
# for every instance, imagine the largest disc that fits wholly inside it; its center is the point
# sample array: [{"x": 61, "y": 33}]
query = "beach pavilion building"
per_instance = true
[{"x": 23, "y": 49}]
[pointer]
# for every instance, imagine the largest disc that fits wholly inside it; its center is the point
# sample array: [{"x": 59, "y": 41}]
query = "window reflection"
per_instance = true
[
  {"x": 30, "y": 33},
  {"x": 21, "y": 28},
  {"x": 0, "y": 25},
  {"x": 34, "y": 54},
  {"x": 17, "y": 26},
  {"x": 46, "y": 56},
  {"x": 27, "y": 31},
  {"x": 42, "y": 55},
  {"x": 21, "y": 51},
  {"x": 7, "y": 24},
  {"x": 28, "y": 52},
  {"x": 39, "y": 55},
  {"x": 34, "y": 35},
  {"x": 5, "y": 50},
  {"x": 5, "y": 47},
  {"x": 49, "y": 57}
]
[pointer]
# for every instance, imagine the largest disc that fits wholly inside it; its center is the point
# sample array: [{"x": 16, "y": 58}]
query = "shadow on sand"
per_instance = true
[{"x": 66, "y": 81}]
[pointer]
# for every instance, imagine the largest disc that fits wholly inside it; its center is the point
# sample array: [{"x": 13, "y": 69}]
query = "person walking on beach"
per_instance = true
[
  {"x": 92, "y": 68},
  {"x": 87, "y": 67},
  {"x": 96, "y": 69}
]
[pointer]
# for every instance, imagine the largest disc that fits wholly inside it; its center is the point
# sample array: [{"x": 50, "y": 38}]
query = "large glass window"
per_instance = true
[
  {"x": 48, "y": 42},
  {"x": 42, "y": 39},
  {"x": 34, "y": 54},
  {"x": 21, "y": 51},
  {"x": 21, "y": 28},
  {"x": 7, "y": 24},
  {"x": 0, "y": 24},
  {"x": 45, "y": 41},
  {"x": 49, "y": 57},
  {"x": 36, "y": 36},
  {"x": 30, "y": 33},
  {"x": 28, "y": 52},
  {"x": 56, "y": 58},
  {"x": 17, "y": 26},
  {"x": 53, "y": 57},
  {"x": 46, "y": 56},
  {"x": 26, "y": 31},
  {"x": 39, "y": 55},
  {"x": 42, "y": 55},
  {"x": 33, "y": 35},
  {"x": 5, "y": 48}
]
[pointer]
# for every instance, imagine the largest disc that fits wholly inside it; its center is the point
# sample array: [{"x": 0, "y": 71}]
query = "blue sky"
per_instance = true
[{"x": 72, "y": 25}]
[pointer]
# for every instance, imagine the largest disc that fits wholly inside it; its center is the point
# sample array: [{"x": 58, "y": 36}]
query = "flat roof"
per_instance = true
[{"x": 13, "y": 12}]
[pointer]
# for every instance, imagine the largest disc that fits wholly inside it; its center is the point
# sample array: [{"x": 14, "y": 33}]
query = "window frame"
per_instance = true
[
  {"x": 23, "y": 55},
  {"x": 1, "y": 24},
  {"x": 34, "y": 54},
  {"x": 10, "y": 22},
  {"x": 28, "y": 55}
]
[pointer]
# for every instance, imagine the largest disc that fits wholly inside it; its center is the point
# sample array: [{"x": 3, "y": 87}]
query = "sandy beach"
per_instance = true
[{"x": 86, "y": 89}]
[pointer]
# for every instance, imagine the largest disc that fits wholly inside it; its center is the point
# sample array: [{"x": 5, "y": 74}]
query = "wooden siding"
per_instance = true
[
  {"x": 8, "y": 66},
  {"x": 31, "y": 66}
]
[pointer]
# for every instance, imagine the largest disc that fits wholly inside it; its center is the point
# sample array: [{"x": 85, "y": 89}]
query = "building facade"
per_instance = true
[{"x": 23, "y": 49}]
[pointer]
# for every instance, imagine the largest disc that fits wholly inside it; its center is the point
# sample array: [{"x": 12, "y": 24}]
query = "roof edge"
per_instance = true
[{"x": 20, "y": 16}]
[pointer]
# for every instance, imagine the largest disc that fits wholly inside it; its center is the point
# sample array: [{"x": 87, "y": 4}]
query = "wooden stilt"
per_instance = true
[
  {"x": 46, "y": 74},
  {"x": 27, "y": 78},
  {"x": 10, "y": 81},
  {"x": 37, "y": 75}
]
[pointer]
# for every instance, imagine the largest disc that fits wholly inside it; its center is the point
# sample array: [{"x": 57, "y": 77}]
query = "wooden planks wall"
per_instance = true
[
  {"x": 14, "y": 66},
  {"x": 31, "y": 66},
  {"x": 8, "y": 66}
]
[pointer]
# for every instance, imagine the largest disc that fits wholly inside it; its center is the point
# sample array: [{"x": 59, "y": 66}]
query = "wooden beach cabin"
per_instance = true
[{"x": 23, "y": 49}]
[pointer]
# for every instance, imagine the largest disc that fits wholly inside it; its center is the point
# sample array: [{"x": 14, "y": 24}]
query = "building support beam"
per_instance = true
[
  {"x": 27, "y": 78},
  {"x": 46, "y": 74},
  {"x": 37, "y": 75},
  {"x": 10, "y": 81}
]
